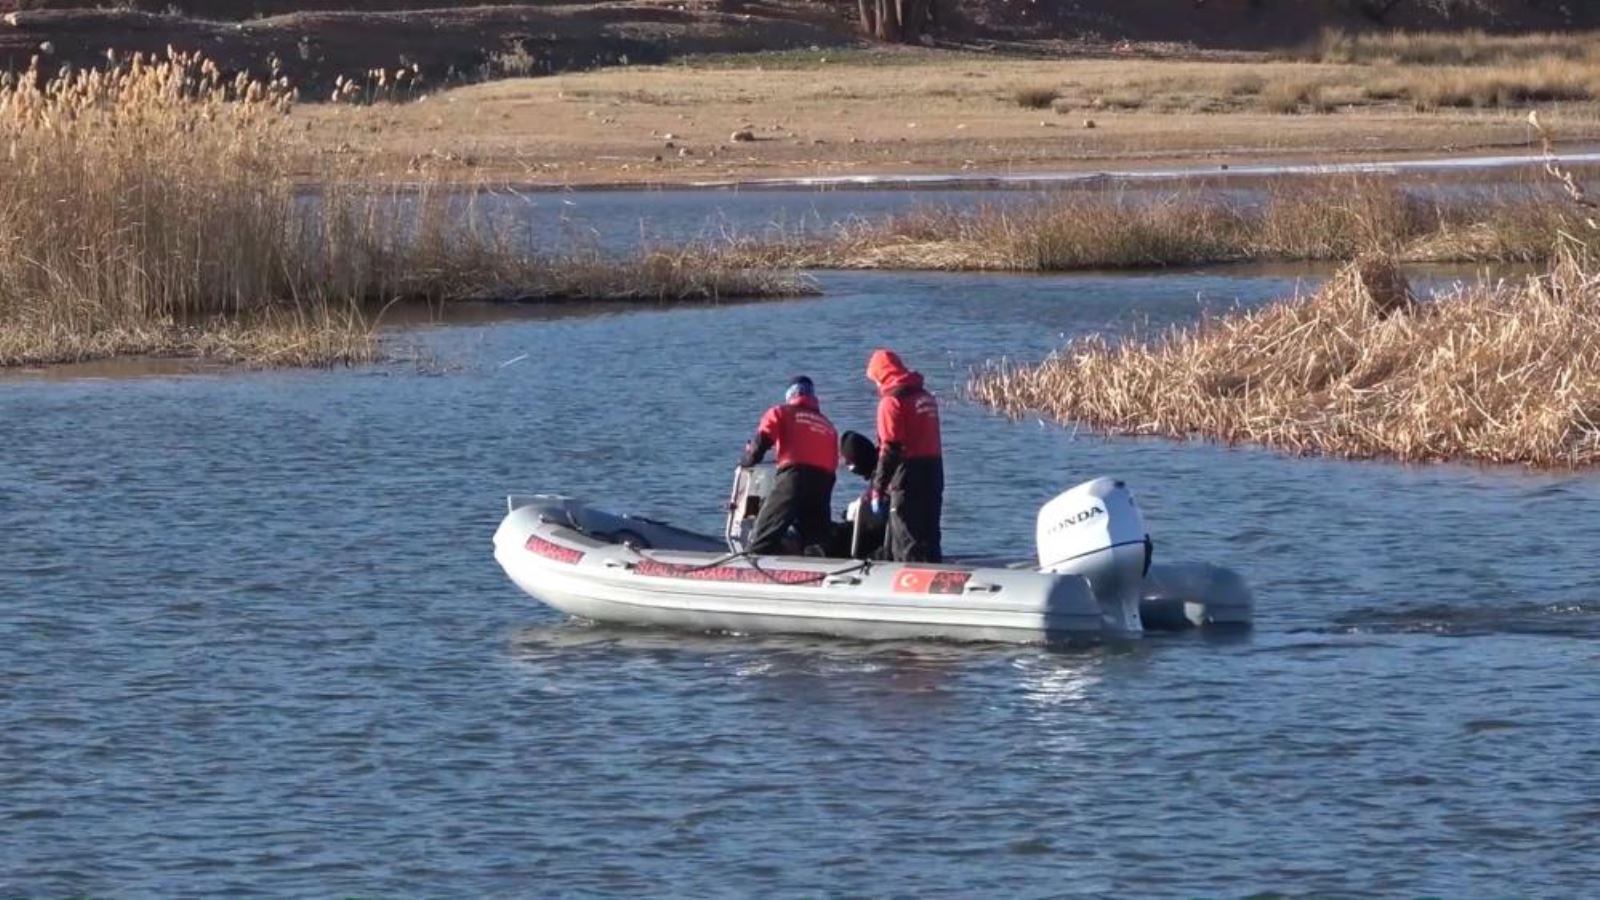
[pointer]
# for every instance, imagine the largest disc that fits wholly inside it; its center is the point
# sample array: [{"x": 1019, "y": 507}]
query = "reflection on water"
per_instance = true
[{"x": 253, "y": 639}]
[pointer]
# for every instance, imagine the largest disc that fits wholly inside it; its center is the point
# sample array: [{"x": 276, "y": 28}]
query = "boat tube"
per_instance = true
[{"x": 1094, "y": 576}]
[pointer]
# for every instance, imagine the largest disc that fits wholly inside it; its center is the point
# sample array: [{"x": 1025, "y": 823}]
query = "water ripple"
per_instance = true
[{"x": 252, "y": 640}]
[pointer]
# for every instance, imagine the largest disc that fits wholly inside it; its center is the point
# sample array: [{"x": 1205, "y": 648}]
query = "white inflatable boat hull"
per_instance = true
[
  {"x": 705, "y": 590},
  {"x": 608, "y": 568}
]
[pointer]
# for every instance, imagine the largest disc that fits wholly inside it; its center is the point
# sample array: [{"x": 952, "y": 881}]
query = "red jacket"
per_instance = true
[
  {"x": 802, "y": 434},
  {"x": 908, "y": 416}
]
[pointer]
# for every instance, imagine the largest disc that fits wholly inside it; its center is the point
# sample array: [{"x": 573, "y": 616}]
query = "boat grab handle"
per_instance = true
[
  {"x": 618, "y": 564},
  {"x": 841, "y": 580},
  {"x": 981, "y": 587}
]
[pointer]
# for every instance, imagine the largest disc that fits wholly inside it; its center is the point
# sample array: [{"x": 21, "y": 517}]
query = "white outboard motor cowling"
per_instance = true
[{"x": 1095, "y": 530}]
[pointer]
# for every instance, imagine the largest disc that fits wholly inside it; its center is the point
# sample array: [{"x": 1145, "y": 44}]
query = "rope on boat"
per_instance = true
[
  {"x": 864, "y": 565},
  {"x": 861, "y": 566}
]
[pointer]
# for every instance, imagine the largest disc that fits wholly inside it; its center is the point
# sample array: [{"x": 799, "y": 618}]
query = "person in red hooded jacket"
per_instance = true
[
  {"x": 808, "y": 454},
  {"x": 910, "y": 470}
]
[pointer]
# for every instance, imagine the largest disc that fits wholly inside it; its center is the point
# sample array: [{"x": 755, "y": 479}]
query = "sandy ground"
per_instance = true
[{"x": 860, "y": 115}]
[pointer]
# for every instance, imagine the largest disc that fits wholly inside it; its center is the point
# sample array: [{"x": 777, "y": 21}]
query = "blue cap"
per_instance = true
[{"x": 800, "y": 386}]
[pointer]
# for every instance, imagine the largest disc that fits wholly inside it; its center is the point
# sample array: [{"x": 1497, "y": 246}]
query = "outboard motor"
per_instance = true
[
  {"x": 1095, "y": 530},
  {"x": 751, "y": 488}
]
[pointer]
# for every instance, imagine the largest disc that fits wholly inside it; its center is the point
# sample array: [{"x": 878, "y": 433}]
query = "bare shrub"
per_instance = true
[
  {"x": 1036, "y": 97},
  {"x": 1286, "y": 97}
]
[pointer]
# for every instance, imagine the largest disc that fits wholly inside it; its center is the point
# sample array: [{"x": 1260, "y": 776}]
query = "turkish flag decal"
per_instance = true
[{"x": 930, "y": 581}]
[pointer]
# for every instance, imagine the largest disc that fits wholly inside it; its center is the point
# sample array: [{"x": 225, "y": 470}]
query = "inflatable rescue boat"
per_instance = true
[{"x": 1094, "y": 576}]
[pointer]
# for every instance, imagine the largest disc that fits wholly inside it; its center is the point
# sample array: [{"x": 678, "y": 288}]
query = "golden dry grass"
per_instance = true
[
  {"x": 274, "y": 340},
  {"x": 1541, "y": 81},
  {"x": 1331, "y": 218},
  {"x": 1513, "y": 84},
  {"x": 1456, "y": 48},
  {"x": 1492, "y": 372},
  {"x": 152, "y": 208}
]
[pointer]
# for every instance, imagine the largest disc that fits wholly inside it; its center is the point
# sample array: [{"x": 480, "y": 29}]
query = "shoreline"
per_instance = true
[
  {"x": 1587, "y": 154},
  {"x": 928, "y": 119},
  {"x": 402, "y": 322}
]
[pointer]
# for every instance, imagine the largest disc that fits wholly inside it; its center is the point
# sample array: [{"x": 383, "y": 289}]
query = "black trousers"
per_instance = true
[
  {"x": 802, "y": 497},
  {"x": 916, "y": 503}
]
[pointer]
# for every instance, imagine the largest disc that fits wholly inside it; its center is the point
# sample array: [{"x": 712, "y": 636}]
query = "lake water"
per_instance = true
[
  {"x": 252, "y": 639},
  {"x": 621, "y": 221}
]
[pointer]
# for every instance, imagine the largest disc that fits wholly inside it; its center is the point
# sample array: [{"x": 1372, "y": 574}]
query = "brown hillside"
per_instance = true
[
  {"x": 318, "y": 40},
  {"x": 466, "y": 43},
  {"x": 1260, "y": 24}
]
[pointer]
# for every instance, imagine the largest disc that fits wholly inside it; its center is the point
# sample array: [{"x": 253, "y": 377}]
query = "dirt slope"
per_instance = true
[
  {"x": 459, "y": 44},
  {"x": 318, "y": 40},
  {"x": 1258, "y": 24}
]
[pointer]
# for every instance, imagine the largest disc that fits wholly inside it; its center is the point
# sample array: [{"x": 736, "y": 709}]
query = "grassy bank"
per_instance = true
[
  {"x": 1493, "y": 372},
  {"x": 151, "y": 209},
  {"x": 1290, "y": 89},
  {"x": 1453, "y": 48},
  {"x": 1471, "y": 69},
  {"x": 1332, "y": 218}
]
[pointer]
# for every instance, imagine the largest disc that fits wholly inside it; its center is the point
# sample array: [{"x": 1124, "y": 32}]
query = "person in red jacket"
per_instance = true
[
  {"x": 808, "y": 454},
  {"x": 910, "y": 470}
]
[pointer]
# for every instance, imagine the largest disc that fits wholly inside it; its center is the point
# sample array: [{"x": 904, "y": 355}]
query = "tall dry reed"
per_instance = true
[
  {"x": 1492, "y": 372},
  {"x": 1332, "y": 218},
  {"x": 153, "y": 207},
  {"x": 147, "y": 191},
  {"x": 1463, "y": 48}
]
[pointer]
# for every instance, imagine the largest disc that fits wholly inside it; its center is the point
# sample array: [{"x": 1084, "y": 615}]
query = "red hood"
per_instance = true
[{"x": 890, "y": 373}]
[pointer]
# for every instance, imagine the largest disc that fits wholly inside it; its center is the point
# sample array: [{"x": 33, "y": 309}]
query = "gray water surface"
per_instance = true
[
  {"x": 623, "y": 221},
  {"x": 252, "y": 639}
]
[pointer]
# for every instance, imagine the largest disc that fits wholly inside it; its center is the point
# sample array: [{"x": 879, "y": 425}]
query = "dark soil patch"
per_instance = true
[{"x": 447, "y": 45}]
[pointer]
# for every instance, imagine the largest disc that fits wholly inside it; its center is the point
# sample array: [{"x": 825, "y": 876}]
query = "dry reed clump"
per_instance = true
[
  {"x": 1332, "y": 218},
  {"x": 1468, "y": 48},
  {"x": 142, "y": 192},
  {"x": 1079, "y": 231},
  {"x": 1289, "y": 97},
  {"x": 1072, "y": 231},
  {"x": 152, "y": 208},
  {"x": 1338, "y": 218},
  {"x": 270, "y": 340},
  {"x": 1361, "y": 369},
  {"x": 1547, "y": 80},
  {"x": 1432, "y": 71},
  {"x": 1036, "y": 97},
  {"x": 928, "y": 238},
  {"x": 1248, "y": 84}
]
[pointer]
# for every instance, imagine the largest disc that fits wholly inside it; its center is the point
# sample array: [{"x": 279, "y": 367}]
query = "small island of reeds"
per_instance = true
[
  {"x": 154, "y": 207},
  {"x": 1287, "y": 218},
  {"x": 1494, "y": 372}
]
